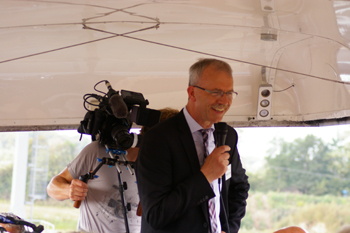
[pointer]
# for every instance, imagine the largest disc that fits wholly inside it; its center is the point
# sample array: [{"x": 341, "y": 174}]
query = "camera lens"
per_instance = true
[{"x": 121, "y": 136}]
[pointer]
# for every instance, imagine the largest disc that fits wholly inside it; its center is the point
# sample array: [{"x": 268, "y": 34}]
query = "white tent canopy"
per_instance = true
[{"x": 54, "y": 52}]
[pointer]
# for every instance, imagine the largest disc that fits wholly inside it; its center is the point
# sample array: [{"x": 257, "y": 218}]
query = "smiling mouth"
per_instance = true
[{"x": 219, "y": 108}]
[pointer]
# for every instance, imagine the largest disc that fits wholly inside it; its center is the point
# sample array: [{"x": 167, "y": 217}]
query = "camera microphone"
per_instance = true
[
  {"x": 118, "y": 106},
  {"x": 220, "y": 133}
]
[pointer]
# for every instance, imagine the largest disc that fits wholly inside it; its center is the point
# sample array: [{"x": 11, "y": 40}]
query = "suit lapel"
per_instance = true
[
  {"x": 187, "y": 142},
  {"x": 191, "y": 152}
]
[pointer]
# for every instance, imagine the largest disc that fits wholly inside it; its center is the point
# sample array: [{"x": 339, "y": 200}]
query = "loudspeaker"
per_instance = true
[{"x": 264, "y": 102}]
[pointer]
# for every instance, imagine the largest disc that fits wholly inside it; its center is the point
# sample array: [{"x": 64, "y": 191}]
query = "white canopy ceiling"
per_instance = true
[{"x": 54, "y": 52}]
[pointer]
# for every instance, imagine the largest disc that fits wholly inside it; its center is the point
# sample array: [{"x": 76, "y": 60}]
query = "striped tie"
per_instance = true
[
  {"x": 205, "y": 141},
  {"x": 211, "y": 202}
]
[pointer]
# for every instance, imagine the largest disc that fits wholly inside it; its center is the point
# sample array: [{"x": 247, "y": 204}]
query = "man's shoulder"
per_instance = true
[
  {"x": 171, "y": 121},
  {"x": 232, "y": 134},
  {"x": 94, "y": 145},
  {"x": 93, "y": 149},
  {"x": 169, "y": 125},
  {"x": 230, "y": 128}
]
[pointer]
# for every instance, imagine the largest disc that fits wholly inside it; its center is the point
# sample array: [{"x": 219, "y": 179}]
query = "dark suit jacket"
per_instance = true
[{"x": 173, "y": 191}]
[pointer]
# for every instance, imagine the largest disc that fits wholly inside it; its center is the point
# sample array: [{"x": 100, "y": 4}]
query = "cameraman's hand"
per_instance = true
[
  {"x": 216, "y": 163},
  {"x": 77, "y": 190},
  {"x": 132, "y": 154},
  {"x": 63, "y": 187}
]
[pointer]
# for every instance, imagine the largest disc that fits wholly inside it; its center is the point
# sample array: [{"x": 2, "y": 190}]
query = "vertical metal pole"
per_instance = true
[{"x": 19, "y": 175}]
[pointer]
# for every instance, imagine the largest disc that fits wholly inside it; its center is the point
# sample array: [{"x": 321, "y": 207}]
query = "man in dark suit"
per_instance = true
[{"x": 181, "y": 175}]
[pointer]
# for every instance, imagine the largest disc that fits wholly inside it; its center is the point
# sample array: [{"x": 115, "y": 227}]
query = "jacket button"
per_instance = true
[{"x": 205, "y": 225}]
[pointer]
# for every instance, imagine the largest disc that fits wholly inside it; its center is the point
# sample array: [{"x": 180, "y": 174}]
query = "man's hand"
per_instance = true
[
  {"x": 216, "y": 163},
  {"x": 77, "y": 190}
]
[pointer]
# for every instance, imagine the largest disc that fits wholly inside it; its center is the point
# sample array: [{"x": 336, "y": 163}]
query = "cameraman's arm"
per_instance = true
[
  {"x": 63, "y": 186},
  {"x": 132, "y": 154}
]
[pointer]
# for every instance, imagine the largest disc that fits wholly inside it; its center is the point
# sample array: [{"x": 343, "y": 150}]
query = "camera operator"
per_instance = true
[{"x": 101, "y": 208}]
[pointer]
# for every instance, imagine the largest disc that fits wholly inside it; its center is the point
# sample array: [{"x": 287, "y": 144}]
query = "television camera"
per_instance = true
[
  {"x": 110, "y": 123},
  {"x": 111, "y": 120}
]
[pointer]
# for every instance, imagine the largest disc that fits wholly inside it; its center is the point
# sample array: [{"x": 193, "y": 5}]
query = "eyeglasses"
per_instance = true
[{"x": 219, "y": 93}]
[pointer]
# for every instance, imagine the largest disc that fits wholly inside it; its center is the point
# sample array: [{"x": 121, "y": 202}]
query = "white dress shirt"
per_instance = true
[{"x": 198, "y": 141}]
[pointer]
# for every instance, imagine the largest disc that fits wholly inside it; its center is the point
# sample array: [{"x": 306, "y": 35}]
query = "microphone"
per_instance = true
[
  {"x": 118, "y": 106},
  {"x": 220, "y": 133},
  {"x": 220, "y": 136}
]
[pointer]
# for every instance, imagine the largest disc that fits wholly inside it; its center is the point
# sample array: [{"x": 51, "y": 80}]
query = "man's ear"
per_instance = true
[{"x": 190, "y": 92}]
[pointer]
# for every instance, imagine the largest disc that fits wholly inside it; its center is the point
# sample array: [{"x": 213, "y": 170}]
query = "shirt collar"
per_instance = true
[{"x": 194, "y": 126}]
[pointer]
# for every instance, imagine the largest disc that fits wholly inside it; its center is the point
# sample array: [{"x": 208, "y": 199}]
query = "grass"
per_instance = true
[{"x": 266, "y": 212}]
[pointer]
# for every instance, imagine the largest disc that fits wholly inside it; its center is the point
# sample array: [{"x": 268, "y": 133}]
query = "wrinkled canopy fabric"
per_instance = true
[{"x": 54, "y": 52}]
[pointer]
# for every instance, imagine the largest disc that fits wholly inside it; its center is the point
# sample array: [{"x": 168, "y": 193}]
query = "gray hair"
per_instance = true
[{"x": 197, "y": 68}]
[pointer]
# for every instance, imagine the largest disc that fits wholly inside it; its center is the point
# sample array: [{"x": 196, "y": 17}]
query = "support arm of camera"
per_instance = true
[
  {"x": 114, "y": 161},
  {"x": 91, "y": 175},
  {"x": 115, "y": 153},
  {"x": 120, "y": 155}
]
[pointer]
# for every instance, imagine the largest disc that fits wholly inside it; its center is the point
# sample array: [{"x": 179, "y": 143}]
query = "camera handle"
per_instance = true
[{"x": 91, "y": 175}]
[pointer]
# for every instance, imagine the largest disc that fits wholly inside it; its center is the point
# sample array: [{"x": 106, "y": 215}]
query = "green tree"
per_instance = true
[
  {"x": 7, "y": 142},
  {"x": 306, "y": 165},
  {"x": 6, "y": 182},
  {"x": 60, "y": 155},
  {"x": 341, "y": 167}
]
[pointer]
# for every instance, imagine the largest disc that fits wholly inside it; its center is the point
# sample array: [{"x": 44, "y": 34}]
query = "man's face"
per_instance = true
[{"x": 207, "y": 108}]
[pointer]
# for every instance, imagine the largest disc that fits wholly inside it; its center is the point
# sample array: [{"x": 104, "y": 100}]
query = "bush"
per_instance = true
[{"x": 274, "y": 210}]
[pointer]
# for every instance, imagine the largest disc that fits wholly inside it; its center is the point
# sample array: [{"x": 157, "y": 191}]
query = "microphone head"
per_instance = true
[
  {"x": 118, "y": 106},
  {"x": 221, "y": 126},
  {"x": 220, "y": 133}
]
